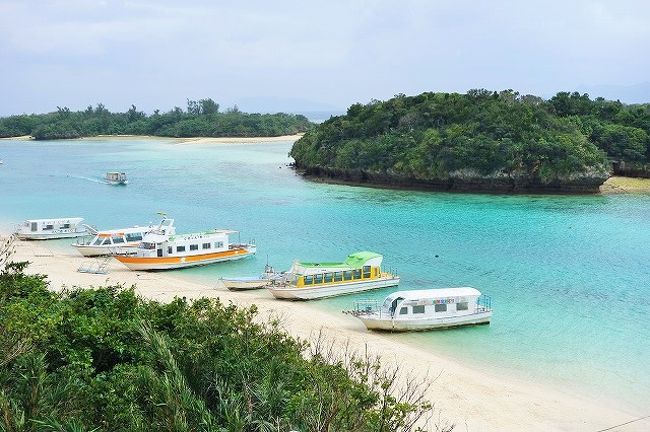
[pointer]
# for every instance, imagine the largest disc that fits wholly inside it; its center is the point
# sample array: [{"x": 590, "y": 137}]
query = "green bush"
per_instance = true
[{"x": 106, "y": 359}]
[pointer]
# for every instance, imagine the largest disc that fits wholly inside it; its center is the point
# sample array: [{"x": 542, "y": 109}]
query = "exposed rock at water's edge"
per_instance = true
[{"x": 465, "y": 181}]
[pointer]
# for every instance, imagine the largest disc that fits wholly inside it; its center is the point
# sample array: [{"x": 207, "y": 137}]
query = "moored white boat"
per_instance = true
[
  {"x": 425, "y": 310},
  {"x": 253, "y": 282},
  {"x": 120, "y": 241},
  {"x": 116, "y": 178},
  {"x": 44, "y": 229},
  {"x": 161, "y": 251},
  {"x": 361, "y": 271}
]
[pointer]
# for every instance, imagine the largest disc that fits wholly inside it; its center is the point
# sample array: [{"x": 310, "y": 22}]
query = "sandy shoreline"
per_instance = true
[
  {"x": 473, "y": 399},
  {"x": 192, "y": 140}
]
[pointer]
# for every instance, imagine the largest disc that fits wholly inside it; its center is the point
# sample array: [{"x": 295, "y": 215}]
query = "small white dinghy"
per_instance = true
[
  {"x": 425, "y": 310},
  {"x": 252, "y": 282}
]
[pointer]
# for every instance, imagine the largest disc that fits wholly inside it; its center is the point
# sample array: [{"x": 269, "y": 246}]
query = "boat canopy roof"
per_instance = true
[
  {"x": 66, "y": 220},
  {"x": 436, "y": 293},
  {"x": 130, "y": 230},
  {"x": 353, "y": 261}
]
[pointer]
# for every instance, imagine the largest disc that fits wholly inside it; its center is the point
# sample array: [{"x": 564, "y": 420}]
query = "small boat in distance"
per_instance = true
[
  {"x": 159, "y": 250},
  {"x": 120, "y": 241},
  {"x": 44, "y": 229},
  {"x": 425, "y": 310},
  {"x": 361, "y": 271},
  {"x": 116, "y": 178},
  {"x": 250, "y": 283}
]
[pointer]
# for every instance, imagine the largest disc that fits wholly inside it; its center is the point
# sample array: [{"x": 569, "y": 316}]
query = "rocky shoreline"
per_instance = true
[{"x": 461, "y": 181}]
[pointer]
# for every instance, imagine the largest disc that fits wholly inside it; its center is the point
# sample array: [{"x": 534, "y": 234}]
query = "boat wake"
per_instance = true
[{"x": 90, "y": 179}]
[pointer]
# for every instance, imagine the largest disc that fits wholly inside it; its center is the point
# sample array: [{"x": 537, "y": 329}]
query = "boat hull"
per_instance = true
[
  {"x": 93, "y": 251},
  {"x": 51, "y": 235},
  {"x": 243, "y": 284},
  {"x": 170, "y": 263},
  {"x": 396, "y": 325},
  {"x": 290, "y": 293}
]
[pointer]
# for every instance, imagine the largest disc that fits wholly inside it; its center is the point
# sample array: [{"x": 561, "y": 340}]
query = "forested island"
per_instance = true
[
  {"x": 481, "y": 141},
  {"x": 202, "y": 118}
]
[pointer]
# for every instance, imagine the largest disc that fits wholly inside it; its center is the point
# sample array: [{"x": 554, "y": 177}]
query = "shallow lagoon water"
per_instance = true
[{"x": 569, "y": 276}]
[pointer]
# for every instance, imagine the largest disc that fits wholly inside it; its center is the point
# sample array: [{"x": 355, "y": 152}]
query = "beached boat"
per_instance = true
[
  {"x": 253, "y": 282},
  {"x": 44, "y": 229},
  {"x": 116, "y": 178},
  {"x": 361, "y": 271},
  {"x": 160, "y": 251},
  {"x": 123, "y": 241},
  {"x": 425, "y": 310}
]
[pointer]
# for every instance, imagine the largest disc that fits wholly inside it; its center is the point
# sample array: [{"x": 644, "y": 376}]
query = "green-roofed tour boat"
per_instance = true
[{"x": 361, "y": 271}]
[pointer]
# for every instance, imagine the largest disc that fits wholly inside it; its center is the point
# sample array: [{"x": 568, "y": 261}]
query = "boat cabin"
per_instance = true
[
  {"x": 115, "y": 177},
  {"x": 159, "y": 244},
  {"x": 358, "y": 266},
  {"x": 433, "y": 303},
  {"x": 51, "y": 228}
]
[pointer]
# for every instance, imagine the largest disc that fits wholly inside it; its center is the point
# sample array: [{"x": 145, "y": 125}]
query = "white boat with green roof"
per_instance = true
[{"x": 361, "y": 271}]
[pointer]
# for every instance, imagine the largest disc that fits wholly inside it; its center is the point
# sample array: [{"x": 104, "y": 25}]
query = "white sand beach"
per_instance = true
[
  {"x": 474, "y": 400},
  {"x": 193, "y": 140}
]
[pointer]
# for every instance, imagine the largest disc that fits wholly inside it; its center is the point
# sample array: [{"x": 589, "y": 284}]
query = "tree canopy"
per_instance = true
[
  {"x": 433, "y": 137},
  {"x": 201, "y": 118}
]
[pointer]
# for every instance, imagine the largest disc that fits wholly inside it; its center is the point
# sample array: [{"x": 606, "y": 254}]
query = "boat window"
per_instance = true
[
  {"x": 218, "y": 245},
  {"x": 169, "y": 249},
  {"x": 194, "y": 247},
  {"x": 357, "y": 274},
  {"x": 134, "y": 237},
  {"x": 107, "y": 241},
  {"x": 347, "y": 275},
  {"x": 328, "y": 277},
  {"x": 97, "y": 241},
  {"x": 180, "y": 248},
  {"x": 65, "y": 226},
  {"x": 318, "y": 279},
  {"x": 366, "y": 271},
  {"x": 147, "y": 245},
  {"x": 419, "y": 309},
  {"x": 403, "y": 310},
  {"x": 461, "y": 306},
  {"x": 34, "y": 226},
  {"x": 308, "y": 280},
  {"x": 338, "y": 277},
  {"x": 48, "y": 227},
  {"x": 441, "y": 308},
  {"x": 117, "y": 240},
  {"x": 206, "y": 245}
]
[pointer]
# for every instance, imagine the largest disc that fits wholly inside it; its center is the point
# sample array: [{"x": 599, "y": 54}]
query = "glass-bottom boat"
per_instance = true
[
  {"x": 425, "y": 310},
  {"x": 160, "y": 251},
  {"x": 361, "y": 271},
  {"x": 120, "y": 241}
]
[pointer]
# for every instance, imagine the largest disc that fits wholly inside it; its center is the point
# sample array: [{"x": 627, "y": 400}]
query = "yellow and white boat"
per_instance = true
[
  {"x": 361, "y": 271},
  {"x": 161, "y": 251}
]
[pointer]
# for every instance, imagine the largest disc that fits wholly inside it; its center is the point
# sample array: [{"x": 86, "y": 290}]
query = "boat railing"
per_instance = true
[
  {"x": 484, "y": 304},
  {"x": 365, "y": 307}
]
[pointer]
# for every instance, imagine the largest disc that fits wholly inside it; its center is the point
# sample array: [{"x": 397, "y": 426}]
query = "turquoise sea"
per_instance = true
[{"x": 569, "y": 276}]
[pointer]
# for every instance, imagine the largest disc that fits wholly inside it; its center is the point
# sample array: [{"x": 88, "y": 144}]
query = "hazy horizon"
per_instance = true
[{"x": 297, "y": 57}]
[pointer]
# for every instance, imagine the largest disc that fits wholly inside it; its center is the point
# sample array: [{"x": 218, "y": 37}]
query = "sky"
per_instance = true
[{"x": 300, "y": 56}]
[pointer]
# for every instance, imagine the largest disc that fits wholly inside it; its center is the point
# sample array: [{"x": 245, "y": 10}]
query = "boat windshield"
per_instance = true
[{"x": 147, "y": 245}]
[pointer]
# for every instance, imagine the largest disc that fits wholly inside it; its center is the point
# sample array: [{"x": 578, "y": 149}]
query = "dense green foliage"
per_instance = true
[
  {"x": 107, "y": 360},
  {"x": 202, "y": 118},
  {"x": 433, "y": 136}
]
